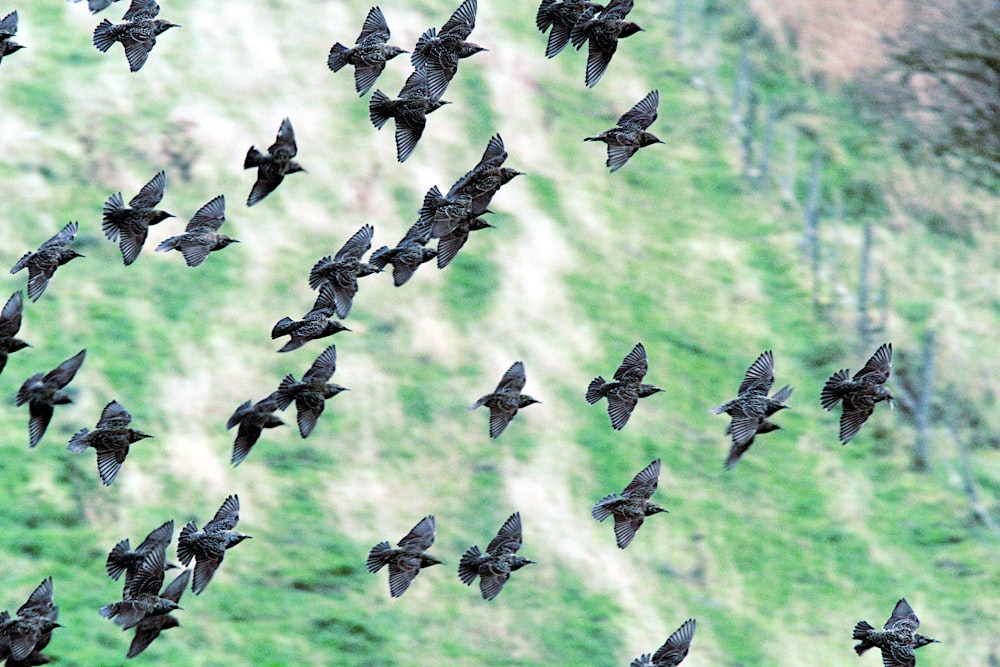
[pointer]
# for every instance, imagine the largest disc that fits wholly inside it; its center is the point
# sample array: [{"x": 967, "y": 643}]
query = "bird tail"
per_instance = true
[
  {"x": 21, "y": 263},
  {"x": 862, "y": 632},
  {"x": 185, "y": 543},
  {"x": 380, "y": 257},
  {"x": 110, "y": 610},
  {"x": 831, "y": 394},
  {"x": 172, "y": 243},
  {"x": 103, "y": 37},
  {"x": 468, "y": 567},
  {"x": 594, "y": 389},
  {"x": 782, "y": 394},
  {"x": 338, "y": 56},
  {"x": 254, "y": 158},
  {"x": 284, "y": 395},
  {"x": 78, "y": 443},
  {"x": 423, "y": 47},
  {"x": 719, "y": 409},
  {"x": 543, "y": 19},
  {"x": 377, "y": 557},
  {"x": 380, "y": 109},
  {"x": 109, "y": 225},
  {"x": 604, "y": 507},
  {"x": 118, "y": 559},
  {"x": 282, "y": 327}
]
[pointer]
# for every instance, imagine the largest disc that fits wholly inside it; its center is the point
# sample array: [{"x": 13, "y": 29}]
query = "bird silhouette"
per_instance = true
[
  {"x": 897, "y": 639},
  {"x": 860, "y": 393},
  {"x": 370, "y": 52},
  {"x": 10, "y": 324},
  {"x": 407, "y": 559},
  {"x": 673, "y": 651},
  {"x": 123, "y": 559},
  {"x": 8, "y": 28},
  {"x": 142, "y": 599},
  {"x": 273, "y": 166},
  {"x": 632, "y": 507},
  {"x": 630, "y": 134},
  {"x": 252, "y": 419},
  {"x": 506, "y": 399},
  {"x": 42, "y": 392},
  {"x": 150, "y": 627},
  {"x": 494, "y": 567},
  {"x": 112, "y": 439},
  {"x": 310, "y": 395},
  {"x": 410, "y": 110},
  {"x": 137, "y": 32},
  {"x": 132, "y": 223},
  {"x": 31, "y": 630},
  {"x": 208, "y": 546},
  {"x": 314, "y": 325},
  {"x": 96, "y": 6},
  {"x": 201, "y": 236},
  {"x": 437, "y": 53},
  {"x": 408, "y": 254},
  {"x": 42, "y": 263},
  {"x": 626, "y": 389},
  {"x": 603, "y": 32},
  {"x": 562, "y": 16},
  {"x": 479, "y": 184},
  {"x": 340, "y": 273}
]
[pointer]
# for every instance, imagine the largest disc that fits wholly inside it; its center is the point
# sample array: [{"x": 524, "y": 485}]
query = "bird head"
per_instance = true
[
  {"x": 427, "y": 561},
  {"x": 507, "y": 175},
  {"x": 525, "y": 400},
  {"x": 648, "y": 139},
  {"x": 294, "y": 167},
  {"x": 331, "y": 390},
  {"x": 923, "y": 640},
  {"x": 436, "y": 104},
  {"x": 224, "y": 240},
  {"x": 648, "y": 390},
  {"x": 168, "y": 622},
  {"x": 367, "y": 268},
  {"x": 629, "y": 29},
  {"x": 235, "y": 538},
  {"x": 159, "y": 216},
  {"x": 653, "y": 508},
  {"x": 10, "y": 47},
  {"x": 470, "y": 48},
  {"x": 392, "y": 51},
  {"x": 883, "y": 394},
  {"x": 67, "y": 254},
  {"x": 517, "y": 562},
  {"x": 135, "y": 436},
  {"x": 16, "y": 344},
  {"x": 478, "y": 223},
  {"x": 160, "y": 26}
]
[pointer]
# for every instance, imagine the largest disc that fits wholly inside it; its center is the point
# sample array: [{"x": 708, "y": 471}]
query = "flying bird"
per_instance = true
[
  {"x": 494, "y": 567},
  {"x": 370, "y": 52},
  {"x": 408, "y": 255},
  {"x": 603, "y": 32},
  {"x": 10, "y": 324},
  {"x": 252, "y": 419},
  {"x": 630, "y": 134},
  {"x": 123, "y": 559},
  {"x": 201, "y": 236},
  {"x": 410, "y": 110},
  {"x": 133, "y": 223},
  {"x": 506, "y": 399},
  {"x": 97, "y": 5},
  {"x": 562, "y": 16},
  {"x": 310, "y": 395},
  {"x": 8, "y": 28},
  {"x": 479, "y": 184},
  {"x": 898, "y": 638},
  {"x": 450, "y": 221},
  {"x": 860, "y": 393},
  {"x": 142, "y": 599},
  {"x": 627, "y": 388},
  {"x": 208, "y": 546},
  {"x": 137, "y": 32},
  {"x": 273, "y": 166},
  {"x": 42, "y": 392},
  {"x": 407, "y": 559},
  {"x": 673, "y": 651},
  {"x": 42, "y": 263},
  {"x": 340, "y": 273},
  {"x": 316, "y": 324},
  {"x": 31, "y": 630},
  {"x": 631, "y": 508},
  {"x": 150, "y": 627},
  {"x": 438, "y": 53},
  {"x": 112, "y": 439}
]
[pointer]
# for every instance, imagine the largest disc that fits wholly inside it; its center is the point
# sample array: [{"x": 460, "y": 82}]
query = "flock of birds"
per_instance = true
[{"x": 147, "y": 604}]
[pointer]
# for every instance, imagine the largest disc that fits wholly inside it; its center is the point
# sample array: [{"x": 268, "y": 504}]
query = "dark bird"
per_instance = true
[
  {"x": 137, "y": 32},
  {"x": 252, "y": 418},
  {"x": 133, "y": 223},
  {"x": 453, "y": 241},
  {"x": 123, "y": 559},
  {"x": 310, "y": 395},
  {"x": 494, "y": 567},
  {"x": 272, "y": 167},
  {"x": 31, "y": 630},
  {"x": 97, "y": 5},
  {"x": 407, "y": 559},
  {"x": 860, "y": 393},
  {"x": 340, "y": 273},
  {"x": 438, "y": 53},
  {"x": 479, "y": 184},
  {"x": 450, "y": 221},
  {"x": 632, "y": 507},
  {"x": 626, "y": 389},
  {"x": 314, "y": 325},
  {"x": 752, "y": 407},
  {"x": 630, "y": 134},
  {"x": 142, "y": 598},
  {"x": 408, "y": 254},
  {"x": 10, "y": 324},
  {"x": 370, "y": 52},
  {"x": 506, "y": 399},
  {"x": 897, "y": 639},
  {"x": 603, "y": 32},
  {"x": 42, "y": 392},
  {"x": 201, "y": 236},
  {"x": 112, "y": 439},
  {"x": 410, "y": 110},
  {"x": 8, "y": 28},
  {"x": 150, "y": 627},
  {"x": 562, "y": 16},
  {"x": 673, "y": 651},
  {"x": 42, "y": 263},
  {"x": 208, "y": 546}
]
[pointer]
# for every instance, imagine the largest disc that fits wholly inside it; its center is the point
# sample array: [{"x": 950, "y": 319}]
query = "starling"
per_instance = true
[
  {"x": 209, "y": 545},
  {"x": 494, "y": 566},
  {"x": 603, "y": 32},
  {"x": 438, "y": 53},
  {"x": 633, "y": 506},
  {"x": 201, "y": 236},
  {"x": 341, "y": 272},
  {"x": 142, "y": 599},
  {"x": 897, "y": 639},
  {"x": 150, "y": 627},
  {"x": 314, "y": 325},
  {"x": 752, "y": 407},
  {"x": 630, "y": 134},
  {"x": 408, "y": 254},
  {"x": 112, "y": 439},
  {"x": 370, "y": 52},
  {"x": 42, "y": 392},
  {"x": 311, "y": 393},
  {"x": 252, "y": 418},
  {"x": 626, "y": 390},
  {"x": 860, "y": 393},
  {"x": 10, "y": 324},
  {"x": 123, "y": 559},
  {"x": 453, "y": 241},
  {"x": 42, "y": 263},
  {"x": 133, "y": 223},
  {"x": 8, "y": 28},
  {"x": 271, "y": 168},
  {"x": 97, "y": 5},
  {"x": 137, "y": 32},
  {"x": 481, "y": 182},
  {"x": 410, "y": 110},
  {"x": 407, "y": 559},
  {"x": 31, "y": 631},
  {"x": 506, "y": 399},
  {"x": 673, "y": 651},
  {"x": 450, "y": 220},
  {"x": 562, "y": 16}
]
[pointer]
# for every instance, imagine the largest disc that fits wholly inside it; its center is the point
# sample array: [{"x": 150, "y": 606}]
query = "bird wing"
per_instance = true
[
  {"x": 626, "y": 528},
  {"x": 508, "y": 539},
  {"x": 643, "y": 113},
  {"x": 853, "y": 418},
  {"x": 63, "y": 374},
  {"x": 760, "y": 374},
  {"x": 137, "y": 51},
  {"x": 743, "y": 428},
  {"x": 620, "y": 407},
  {"x": 676, "y": 647},
  {"x": 495, "y": 154},
  {"x": 409, "y": 129},
  {"x": 645, "y": 482},
  {"x": 898, "y": 655},
  {"x": 159, "y": 537},
  {"x": 618, "y": 155},
  {"x": 902, "y": 613},
  {"x": 10, "y": 316},
  {"x": 309, "y": 406},
  {"x": 284, "y": 145},
  {"x": 491, "y": 583},
  {"x": 324, "y": 367},
  {"x": 356, "y": 246},
  {"x": 38, "y": 279},
  {"x": 39, "y": 603},
  {"x": 421, "y": 536},
  {"x": 598, "y": 58},
  {"x": 204, "y": 570},
  {"x": 415, "y": 85},
  {"x": 462, "y": 21},
  {"x": 402, "y": 572},
  {"x": 449, "y": 246},
  {"x": 513, "y": 379},
  {"x": 133, "y": 237},
  {"x": 141, "y": 9},
  {"x": 109, "y": 463},
  {"x": 877, "y": 369},
  {"x": 736, "y": 451},
  {"x": 499, "y": 420},
  {"x": 209, "y": 217},
  {"x": 114, "y": 416},
  {"x": 8, "y": 25},
  {"x": 635, "y": 365},
  {"x": 151, "y": 193},
  {"x": 148, "y": 578},
  {"x": 175, "y": 588},
  {"x": 264, "y": 185},
  {"x": 40, "y": 416},
  {"x": 227, "y": 516},
  {"x": 62, "y": 237},
  {"x": 365, "y": 75},
  {"x": 374, "y": 23}
]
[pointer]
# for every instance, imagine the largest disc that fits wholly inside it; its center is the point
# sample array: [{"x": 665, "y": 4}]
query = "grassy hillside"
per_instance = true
[{"x": 777, "y": 558}]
